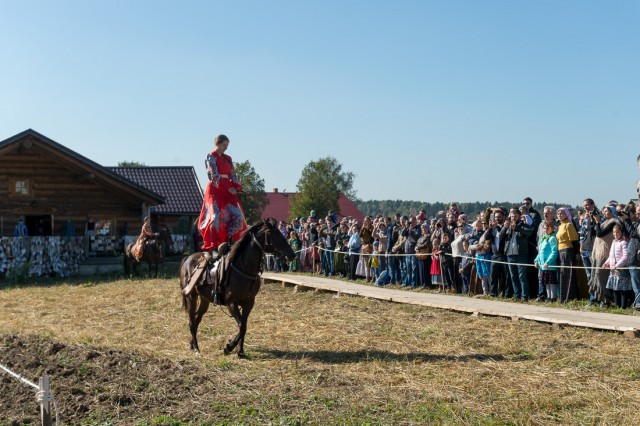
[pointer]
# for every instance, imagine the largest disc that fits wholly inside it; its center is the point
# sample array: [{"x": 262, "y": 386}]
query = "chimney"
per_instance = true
[{"x": 275, "y": 190}]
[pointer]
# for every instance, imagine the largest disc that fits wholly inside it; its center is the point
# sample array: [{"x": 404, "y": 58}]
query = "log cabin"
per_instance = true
[{"x": 58, "y": 192}]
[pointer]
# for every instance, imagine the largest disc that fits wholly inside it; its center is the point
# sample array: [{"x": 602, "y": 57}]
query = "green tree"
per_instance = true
[
  {"x": 254, "y": 198},
  {"x": 131, "y": 164},
  {"x": 320, "y": 186}
]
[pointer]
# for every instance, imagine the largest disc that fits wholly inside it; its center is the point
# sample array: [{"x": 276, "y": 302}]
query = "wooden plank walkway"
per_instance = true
[{"x": 628, "y": 324}]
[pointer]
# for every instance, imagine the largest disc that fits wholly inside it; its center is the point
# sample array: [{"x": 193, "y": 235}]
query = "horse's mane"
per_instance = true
[{"x": 245, "y": 239}]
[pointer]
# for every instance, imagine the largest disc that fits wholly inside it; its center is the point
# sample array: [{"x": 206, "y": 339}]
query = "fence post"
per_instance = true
[{"x": 44, "y": 397}]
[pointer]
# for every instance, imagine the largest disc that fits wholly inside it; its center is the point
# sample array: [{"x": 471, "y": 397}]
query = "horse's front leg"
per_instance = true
[
  {"x": 234, "y": 310},
  {"x": 246, "y": 310}
]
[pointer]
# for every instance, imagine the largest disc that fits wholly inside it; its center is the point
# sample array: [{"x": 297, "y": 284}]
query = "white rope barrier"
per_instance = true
[
  {"x": 19, "y": 377},
  {"x": 44, "y": 396},
  {"x": 532, "y": 265}
]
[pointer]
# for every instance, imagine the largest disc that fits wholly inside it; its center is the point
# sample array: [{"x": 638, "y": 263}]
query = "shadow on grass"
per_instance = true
[{"x": 333, "y": 357}]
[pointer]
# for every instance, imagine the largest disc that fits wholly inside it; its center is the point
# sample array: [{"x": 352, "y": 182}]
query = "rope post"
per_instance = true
[{"x": 44, "y": 397}]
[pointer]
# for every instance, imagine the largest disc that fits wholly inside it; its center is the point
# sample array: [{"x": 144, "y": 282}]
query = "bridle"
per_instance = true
[{"x": 266, "y": 247}]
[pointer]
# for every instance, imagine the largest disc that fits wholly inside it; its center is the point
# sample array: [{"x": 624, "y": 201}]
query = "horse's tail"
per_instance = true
[
  {"x": 126, "y": 260},
  {"x": 182, "y": 282}
]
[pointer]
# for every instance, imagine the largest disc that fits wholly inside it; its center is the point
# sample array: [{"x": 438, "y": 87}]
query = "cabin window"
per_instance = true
[
  {"x": 20, "y": 187},
  {"x": 103, "y": 227}
]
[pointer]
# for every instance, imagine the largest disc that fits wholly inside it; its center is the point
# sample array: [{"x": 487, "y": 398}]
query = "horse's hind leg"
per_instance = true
[{"x": 195, "y": 317}]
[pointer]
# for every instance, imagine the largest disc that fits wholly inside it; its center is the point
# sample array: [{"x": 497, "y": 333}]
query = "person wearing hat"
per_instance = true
[
  {"x": 313, "y": 217},
  {"x": 603, "y": 228},
  {"x": 21, "y": 229},
  {"x": 222, "y": 216}
]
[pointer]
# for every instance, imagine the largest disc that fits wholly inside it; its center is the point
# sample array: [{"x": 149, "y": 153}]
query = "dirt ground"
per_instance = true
[
  {"x": 117, "y": 352},
  {"x": 94, "y": 382}
]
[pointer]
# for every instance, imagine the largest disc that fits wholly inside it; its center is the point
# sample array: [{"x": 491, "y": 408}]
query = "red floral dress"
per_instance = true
[{"x": 222, "y": 216}]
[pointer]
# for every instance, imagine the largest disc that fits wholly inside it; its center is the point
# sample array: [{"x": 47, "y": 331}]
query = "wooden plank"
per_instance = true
[{"x": 557, "y": 317}]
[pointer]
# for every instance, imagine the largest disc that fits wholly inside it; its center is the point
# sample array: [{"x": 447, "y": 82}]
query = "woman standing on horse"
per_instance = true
[{"x": 222, "y": 217}]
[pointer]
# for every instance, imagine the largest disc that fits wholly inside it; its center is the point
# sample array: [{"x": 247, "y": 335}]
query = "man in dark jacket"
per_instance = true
[
  {"x": 587, "y": 238},
  {"x": 516, "y": 234},
  {"x": 500, "y": 280},
  {"x": 392, "y": 261}
]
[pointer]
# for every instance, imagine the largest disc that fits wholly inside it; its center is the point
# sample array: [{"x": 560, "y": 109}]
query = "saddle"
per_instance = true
[
  {"x": 139, "y": 248},
  {"x": 211, "y": 270}
]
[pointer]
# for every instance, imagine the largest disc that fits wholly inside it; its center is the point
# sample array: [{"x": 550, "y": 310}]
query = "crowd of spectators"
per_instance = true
[{"x": 515, "y": 253}]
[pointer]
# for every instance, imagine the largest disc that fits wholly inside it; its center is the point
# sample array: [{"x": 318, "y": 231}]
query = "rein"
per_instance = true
[{"x": 262, "y": 252}]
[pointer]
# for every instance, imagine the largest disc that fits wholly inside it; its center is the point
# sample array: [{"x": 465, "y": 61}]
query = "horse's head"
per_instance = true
[
  {"x": 274, "y": 241},
  {"x": 165, "y": 237}
]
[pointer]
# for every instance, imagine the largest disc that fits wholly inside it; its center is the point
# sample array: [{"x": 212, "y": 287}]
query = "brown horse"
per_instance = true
[
  {"x": 153, "y": 253},
  {"x": 242, "y": 280}
]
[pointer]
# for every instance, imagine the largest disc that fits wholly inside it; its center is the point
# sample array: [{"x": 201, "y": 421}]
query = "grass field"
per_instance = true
[{"x": 117, "y": 351}]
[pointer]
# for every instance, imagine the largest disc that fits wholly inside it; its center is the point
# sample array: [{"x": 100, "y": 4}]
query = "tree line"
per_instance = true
[{"x": 320, "y": 185}]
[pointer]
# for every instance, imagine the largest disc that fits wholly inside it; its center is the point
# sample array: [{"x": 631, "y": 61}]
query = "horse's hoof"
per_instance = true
[
  {"x": 226, "y": 351},
  {"x": 241, "y": 355}
]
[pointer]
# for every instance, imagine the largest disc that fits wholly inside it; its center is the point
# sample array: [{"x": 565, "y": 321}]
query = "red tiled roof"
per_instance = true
[
  {"x": 178, "y": 185},
  {"x": 278, "y": 206}
]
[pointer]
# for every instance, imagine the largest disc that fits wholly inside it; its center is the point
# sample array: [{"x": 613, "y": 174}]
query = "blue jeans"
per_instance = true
[
  {"x": 402, "y": 262},
  {"x": 423, "y": 273},
  {"x": 518, "y": 274},
  {"x": 327, "y": 261},
  {"x": 635, "y": 284},
  {"x": 382, "y": 259},
  {"x": 585, "y": 255},
  {"x": 465, "y": 283},
  {"x": 394, "y": 270},
  {"x": 542, "y": 288},
  {"x": 412, "y": 268},
  {"x": 586, "y": 261}
]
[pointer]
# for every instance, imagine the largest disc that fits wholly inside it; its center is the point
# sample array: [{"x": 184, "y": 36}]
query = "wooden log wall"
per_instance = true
[{"x": 62, "y": 190}]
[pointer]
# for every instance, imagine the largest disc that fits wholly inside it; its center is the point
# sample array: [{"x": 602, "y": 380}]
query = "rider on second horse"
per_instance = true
[{"x": 145, "y": 233}]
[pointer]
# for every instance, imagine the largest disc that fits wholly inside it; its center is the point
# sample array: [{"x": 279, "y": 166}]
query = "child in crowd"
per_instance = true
[
  {"x": 620, "y": 279},
  {"x": 447, "y": 261},
  {"x": 296, "y": 246},
  {"x": 547, "y": 260},
  {"x": 483, "y": 265},
  {"x": 466, "y": 264},
  {"x": 436, "y": 270},
  {"x": 374, "y": 261}
]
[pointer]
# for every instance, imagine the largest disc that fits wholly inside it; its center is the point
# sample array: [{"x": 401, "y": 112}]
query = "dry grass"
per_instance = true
[{"x": 320, "y": 359}]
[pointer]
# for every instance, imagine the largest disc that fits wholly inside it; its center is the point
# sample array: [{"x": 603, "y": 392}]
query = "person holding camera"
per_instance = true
[
  {"x": 587, "y": 235},
  {"x": 516, "y": 234},
  {"x": 500, "y": 278}
]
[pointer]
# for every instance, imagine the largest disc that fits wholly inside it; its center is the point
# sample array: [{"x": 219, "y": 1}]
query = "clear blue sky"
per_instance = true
[{"x": 422, "y": 100}]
